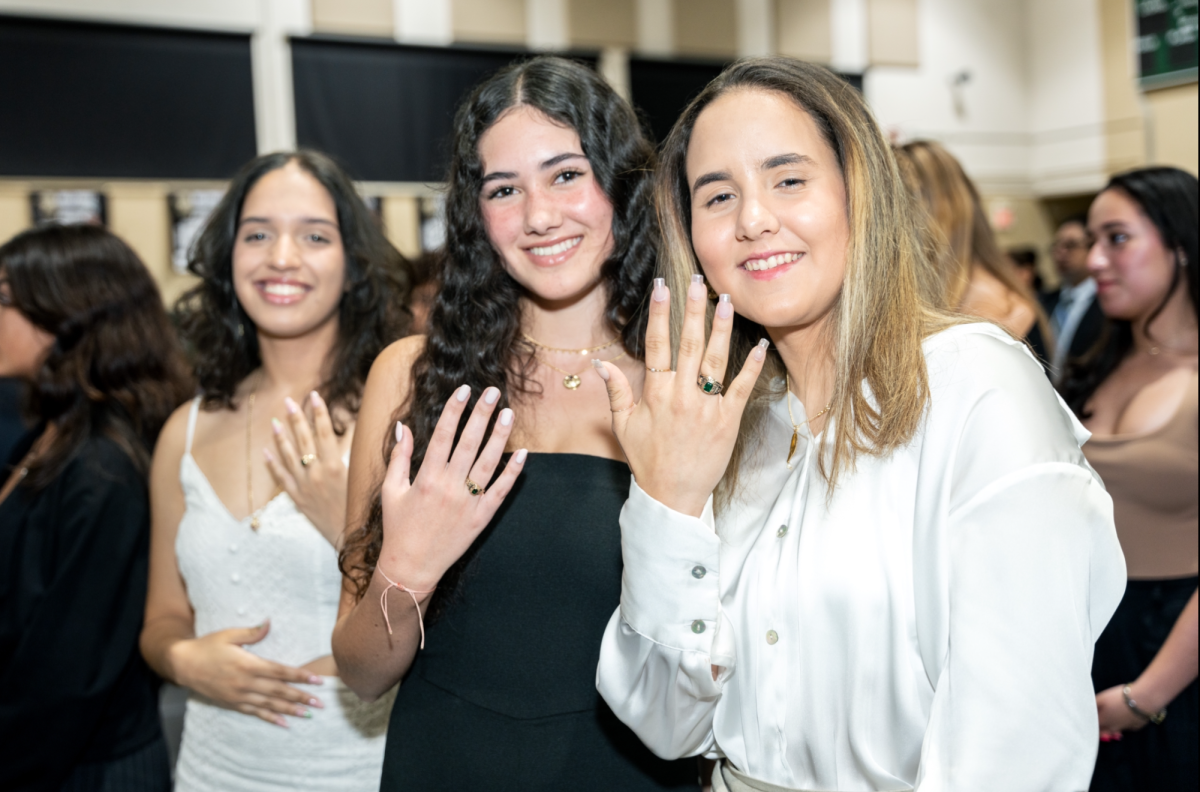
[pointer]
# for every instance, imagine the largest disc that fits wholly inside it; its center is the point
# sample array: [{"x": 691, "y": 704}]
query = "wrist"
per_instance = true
[
  {"x": 421, "y": 582},
  {"x": 1143, "y": 703},
  {"x": 174, "y": 660},
  {"x": 1148, "y": 697}
]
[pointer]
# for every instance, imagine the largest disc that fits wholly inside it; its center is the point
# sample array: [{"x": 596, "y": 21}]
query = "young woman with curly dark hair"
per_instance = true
[
  {"x": 82, "y": 322},
  {"x": 299, "y": 292},
  {"x": 550, "y": 250}
]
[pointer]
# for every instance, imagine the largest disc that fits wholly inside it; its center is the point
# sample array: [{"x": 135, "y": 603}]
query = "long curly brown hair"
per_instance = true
[
  {"x": 115, "y": 368},
  {"x": 219, "y": 334},
  {"x": 474, "y": 327}
]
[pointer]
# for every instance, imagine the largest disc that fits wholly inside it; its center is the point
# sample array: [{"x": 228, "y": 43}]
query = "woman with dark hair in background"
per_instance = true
[
  {"x": 299, "y": 292},
  {"x": 1137, "y": 395},
  {"x": 968, "y": 273},
  {"x": 82, "y": 322},
  {"x": 550, "y": 249}
]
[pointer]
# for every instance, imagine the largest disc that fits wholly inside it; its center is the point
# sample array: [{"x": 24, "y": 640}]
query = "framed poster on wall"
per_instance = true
[
  {"x": 1166, "y": 42},
  {"x": 68, "y": 207}
]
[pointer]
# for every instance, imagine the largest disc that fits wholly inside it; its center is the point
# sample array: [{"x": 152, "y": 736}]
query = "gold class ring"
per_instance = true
[
  {"x": 474, "y": 488},
  {"x": 708, "y": 385},
  {"x": 307, "y": 459}
]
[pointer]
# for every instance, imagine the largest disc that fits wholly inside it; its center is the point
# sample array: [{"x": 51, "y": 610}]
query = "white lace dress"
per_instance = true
[{"x": 237, "y": 577}]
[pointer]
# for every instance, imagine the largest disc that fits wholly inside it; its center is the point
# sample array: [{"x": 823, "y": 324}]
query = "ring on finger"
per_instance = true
[
  {"x": 307, "y": 460},
  {"x": 660, "y": 371},
  {"x": 623, "y": 409},
  {"x": 473, "y": 488},
  {"x": 708, "y": 385}
]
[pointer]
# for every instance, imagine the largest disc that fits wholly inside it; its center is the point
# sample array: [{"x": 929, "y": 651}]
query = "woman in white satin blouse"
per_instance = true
[{"x": 883, "y": 563}]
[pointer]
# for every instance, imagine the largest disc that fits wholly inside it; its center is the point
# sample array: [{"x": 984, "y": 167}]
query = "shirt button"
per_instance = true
[
  {"x": 698, "y": 626},
  {"x": 699, "y": 571},
  {"x": 782, "y": 532},
  {"x": 233, "y": 548},
  {"x": 772, "y": 637},
  {"x": 241, "y": 611},
  {"x": 235, "y": 577}
]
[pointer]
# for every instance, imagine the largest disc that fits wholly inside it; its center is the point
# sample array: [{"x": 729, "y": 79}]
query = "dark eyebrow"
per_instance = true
[
  {"x": 499, "y": 175},
  {"x": 779, "y": 160},
  {"x": 550, "y": 163},
  {"x": 709, "y": 178},
  {"x": 306, "y": 220}
]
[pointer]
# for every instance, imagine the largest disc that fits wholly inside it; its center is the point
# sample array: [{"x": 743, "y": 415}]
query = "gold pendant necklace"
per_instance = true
[
  {"x": 572, "y": 381},
  {"x": 796, "y": 427}
]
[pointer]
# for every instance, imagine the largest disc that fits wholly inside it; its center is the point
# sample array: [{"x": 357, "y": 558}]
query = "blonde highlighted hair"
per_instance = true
[{"x": 881, "y": 387}]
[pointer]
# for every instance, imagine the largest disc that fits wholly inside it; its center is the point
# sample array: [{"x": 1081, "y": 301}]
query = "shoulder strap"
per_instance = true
[{"x": 191, "y": 430}]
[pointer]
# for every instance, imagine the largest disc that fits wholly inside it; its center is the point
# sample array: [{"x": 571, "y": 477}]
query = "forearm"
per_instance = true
[
  {"x": 370, "y": 660},
  {"x": 1175, "y": 665},
  {"x": 159, "y": 635}
]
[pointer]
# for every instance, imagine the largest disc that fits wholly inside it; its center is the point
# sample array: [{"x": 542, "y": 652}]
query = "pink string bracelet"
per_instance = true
[{"x": 410, "y": 592}]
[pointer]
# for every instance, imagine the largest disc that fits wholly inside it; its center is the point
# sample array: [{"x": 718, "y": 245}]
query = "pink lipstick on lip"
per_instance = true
[{"x": 774, "y": 272}]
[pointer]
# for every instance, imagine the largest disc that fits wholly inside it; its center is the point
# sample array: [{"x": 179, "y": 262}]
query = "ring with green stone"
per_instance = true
[{"x": 708, "y": 385}]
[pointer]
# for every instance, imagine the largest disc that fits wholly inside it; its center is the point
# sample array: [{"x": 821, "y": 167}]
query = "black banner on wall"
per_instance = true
[
  {"x": 98, "y": 100},
  {"x": 385, "y": 110}
]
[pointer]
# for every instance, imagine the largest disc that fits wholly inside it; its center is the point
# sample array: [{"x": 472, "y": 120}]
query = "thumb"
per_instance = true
[
  {"x": 620, "y": 394},
  {"x": 249, "y": 635}
]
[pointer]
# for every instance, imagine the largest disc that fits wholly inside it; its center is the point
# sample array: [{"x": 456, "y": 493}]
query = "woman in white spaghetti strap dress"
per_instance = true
[{"x": 299, "y": 292}]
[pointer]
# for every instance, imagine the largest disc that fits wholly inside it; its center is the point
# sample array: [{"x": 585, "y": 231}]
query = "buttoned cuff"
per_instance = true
[{"x": 670, "y": 591}]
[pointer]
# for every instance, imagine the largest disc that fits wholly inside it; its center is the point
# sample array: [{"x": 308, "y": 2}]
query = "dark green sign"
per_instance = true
[{"x": 1166, "y": 42}]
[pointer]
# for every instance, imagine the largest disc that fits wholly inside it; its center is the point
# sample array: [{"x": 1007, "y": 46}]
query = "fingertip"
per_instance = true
[
  {"x": 660, "y": 292},
  {"x": 601, "y": 369},
  {"x": 760, "y": 349},
  {"x": 267, "y": 453},
  {"x": 399, "y": 432},
  {"x": 463, "y": 393},
  {"x": 506, "y": 417},
  {"x": 291, "y": 406},
  {"x": 315, "y": 398},
  {"x": 519, "y": 457},
  {"x": 724, "y": 306}
]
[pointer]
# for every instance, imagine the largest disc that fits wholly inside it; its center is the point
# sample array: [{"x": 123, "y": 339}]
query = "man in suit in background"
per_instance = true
[{"x": 1074, "y": 312}]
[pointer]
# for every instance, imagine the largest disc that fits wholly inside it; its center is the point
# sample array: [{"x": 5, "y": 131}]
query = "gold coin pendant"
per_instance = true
[{"x": 572, "y": 381}]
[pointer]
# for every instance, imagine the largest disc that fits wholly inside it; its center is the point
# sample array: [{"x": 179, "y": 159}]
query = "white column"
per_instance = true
[
  {"x": 614, "y": 68},
  {"x": 755, "y": 28},
  {"x": 423, "y": 21},
  {"x": 271, "y": 62},
  {"x": 656, "y": 27},
  {"x": 546, "y": 25},
  {"x": 848, "y": 35}
]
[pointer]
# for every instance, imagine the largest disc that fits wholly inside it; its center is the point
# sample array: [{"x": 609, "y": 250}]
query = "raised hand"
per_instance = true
[
  {"x": 679, "y": 437},
  {"x": 217, "y": 667},
  {"x": 429, "y": 523},
  {"x": 311, "y": 470}
]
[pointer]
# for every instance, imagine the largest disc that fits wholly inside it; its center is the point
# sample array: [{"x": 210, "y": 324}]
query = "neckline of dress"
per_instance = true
[{"x": 212, "y": 492}]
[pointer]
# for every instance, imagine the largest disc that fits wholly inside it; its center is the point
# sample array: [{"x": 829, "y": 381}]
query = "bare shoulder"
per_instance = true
[
  {"x": 391, "y": 373},
  {"x": 173, "y": 438},
  {"x": 989, "y": 298}
]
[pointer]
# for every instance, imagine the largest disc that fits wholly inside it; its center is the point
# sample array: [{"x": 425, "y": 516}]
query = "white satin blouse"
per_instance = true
[{"x": 930, "y": 626}]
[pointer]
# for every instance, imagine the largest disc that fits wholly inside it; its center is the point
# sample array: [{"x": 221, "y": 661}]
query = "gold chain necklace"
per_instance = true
[
  {"x": 573, "y": 381},
  {"x": 254, "y": 513},
  {"x": 796, "y": 427},
  {"x": 584, "y": 351}
]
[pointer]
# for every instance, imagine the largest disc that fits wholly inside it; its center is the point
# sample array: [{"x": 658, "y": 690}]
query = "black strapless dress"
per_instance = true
[{"x": 503, "y": 697}]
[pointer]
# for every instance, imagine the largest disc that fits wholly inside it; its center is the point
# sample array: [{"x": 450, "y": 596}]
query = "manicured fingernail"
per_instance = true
[
  {"x": 491, "y": 394},
  {"x": 600, "y": 369},
  {"x": 697, "y": 290},
  {"x": 697, "y": 278},
  {"x": 520, "y": 456},
  {"x": 315, "y": 398},
  {"x": 506, "y": 416},
  {"x": 660, "y": 290},
  {"x": 276, "y": 426},
  {"x": 281, "y": 721},
  {"x": 724, "y": 307},
  {"x": 303, "y": 713},
  {"x": 270, "y": 457},
  {"x": 316, "y": 702},
  {"x": 316, "y": 680},
  {"x": 760, "y": 349},
  {"x": 462, "y": 393},
  {"x": 399, "y": 432},
  {"x": 292, "y": 408}
]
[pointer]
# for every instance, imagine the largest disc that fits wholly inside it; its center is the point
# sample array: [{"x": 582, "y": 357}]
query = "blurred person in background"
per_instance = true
[
  {"x": 551, "y": 245},
  {"x": 299, "y": 292},
  {"x": 968, "y": 272},
  {"x": 82, "y": 323},
  {"x": 1074, "y": 312},
  {"x": 426, "y": 271},
  {"x": 1025, "y": 260},
  {"x": 1136, "y": 393}
]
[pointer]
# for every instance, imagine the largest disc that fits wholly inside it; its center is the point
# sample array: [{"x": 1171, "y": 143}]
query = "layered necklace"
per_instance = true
[
  {"x": 796, "y": 426},
  {"x": 571, "y": 380}
]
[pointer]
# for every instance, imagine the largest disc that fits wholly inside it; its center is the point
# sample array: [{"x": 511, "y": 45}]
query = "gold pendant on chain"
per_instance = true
[{"x": 572, "y": 381}]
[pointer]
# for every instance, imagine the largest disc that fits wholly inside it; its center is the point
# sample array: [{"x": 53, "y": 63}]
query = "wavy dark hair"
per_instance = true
[
  {"x": 1170, "y": 198},
  {"x": 474, "y": 327},
  {"x": 371, "y": 313},
  {"x": 115, "y": 368}
]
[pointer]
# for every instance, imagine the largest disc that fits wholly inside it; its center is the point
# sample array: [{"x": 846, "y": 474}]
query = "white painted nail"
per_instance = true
[
  {"x": 520, "y": 456},
  {"x": 491, "y": 394},
  {"x": 462, "y": 393},
  {"x": 697, "y": 278},
  {"x": 724, "y": 307},
  {"x": 399, "y": 432},
  {"x": 506, "y": 416}
]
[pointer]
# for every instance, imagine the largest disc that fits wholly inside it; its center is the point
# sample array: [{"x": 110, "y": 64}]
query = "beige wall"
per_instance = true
[
  {"x": 14, "y": 209},
  {"x": 355, "y": 17},
  {"x": 494, "y": 21},
  {"x": 602, "y": 23},
  {"x": 802, "y": 29},
  {"x": 706, "y": 28},
  {"x": 402, "y": 223},
  {"x": 1173, "y": 113},
  {"x": 138, "y": 213},
  {"x": 892, "y": 33}
]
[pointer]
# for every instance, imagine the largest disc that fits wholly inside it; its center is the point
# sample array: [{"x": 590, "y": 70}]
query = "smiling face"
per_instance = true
[
  {"x": 23, "y": 345},
  {"x": 1132, "y": 268},
  {"x": 289, "y": 265},
  {"x": 768, "y": 208},
  {"x": 543, "y": 209}
]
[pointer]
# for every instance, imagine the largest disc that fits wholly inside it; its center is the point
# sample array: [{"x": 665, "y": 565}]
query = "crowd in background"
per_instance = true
[{"x": 257, "y": 493}]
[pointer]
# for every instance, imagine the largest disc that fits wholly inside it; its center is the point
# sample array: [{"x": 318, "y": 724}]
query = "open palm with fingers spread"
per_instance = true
[
  {"x": 680, "y": 436},
  {"x": 429, "y": 523}
]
